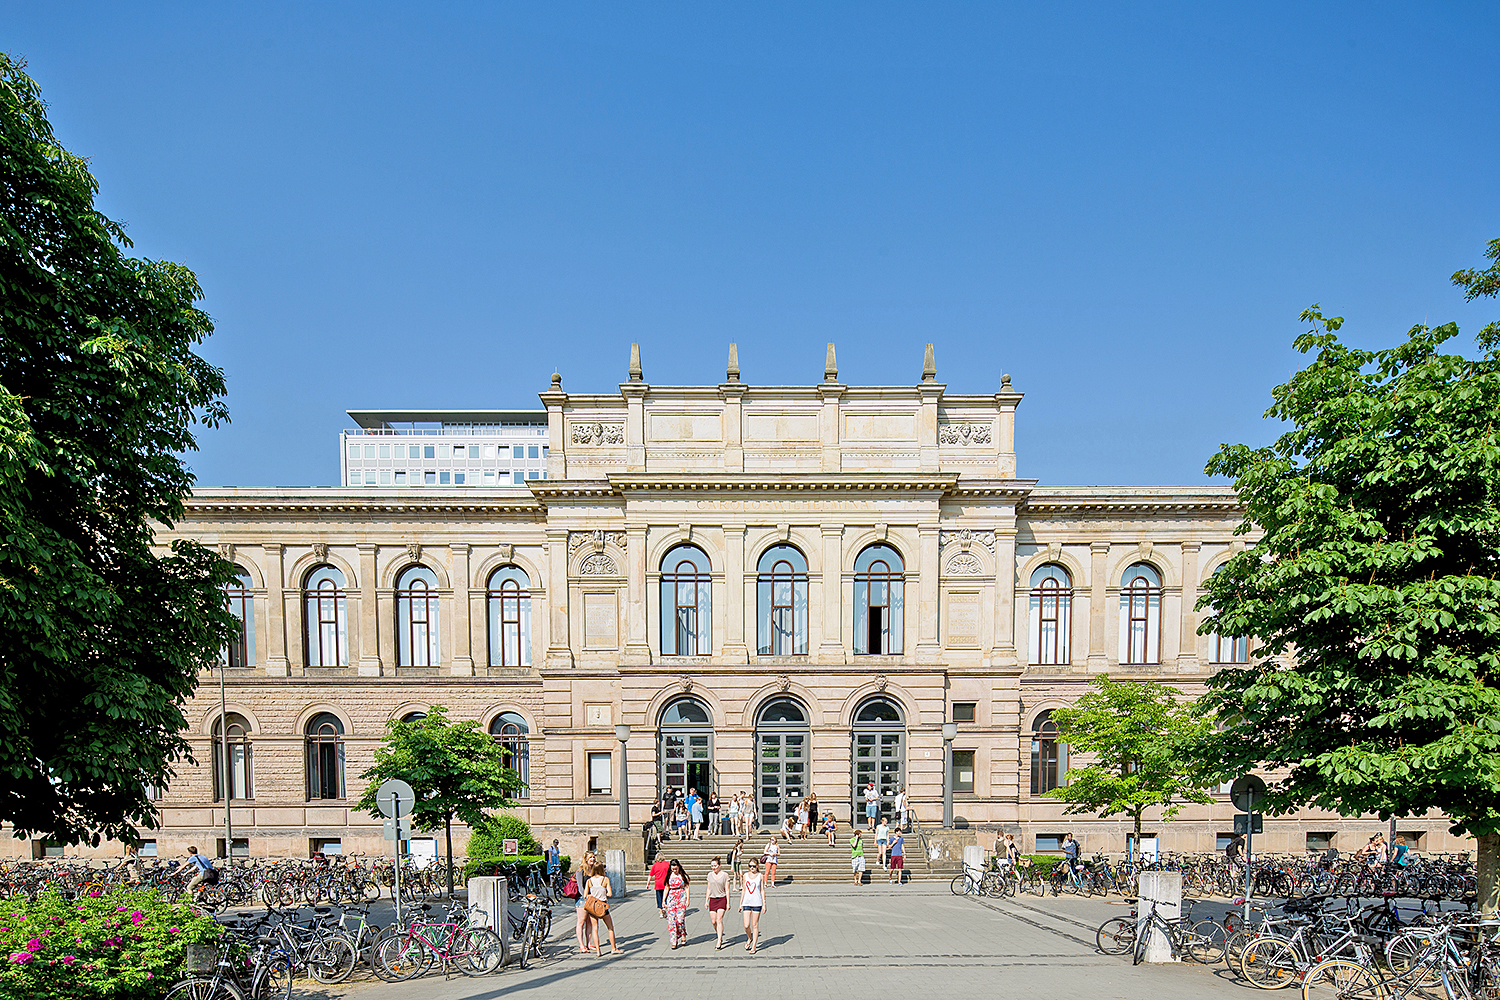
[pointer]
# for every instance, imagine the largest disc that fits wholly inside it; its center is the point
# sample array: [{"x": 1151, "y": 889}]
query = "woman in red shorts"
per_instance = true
[{"x": 718, "y": 899}]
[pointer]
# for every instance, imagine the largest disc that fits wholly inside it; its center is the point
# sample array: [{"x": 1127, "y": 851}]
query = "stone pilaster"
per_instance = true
[
  {"x": 735, "y": 649},
  {"x": 829, "y": 431},
  {"x": 734, "y": 445},
  {"x": 831, "y": 650},
  {"x": 1005, "y": 589},
  {"x": 277, "y": 663},
  {"x": 927, "y": 649},
  {"x": 635, "y": 425},
  {"x": 1098, "y": 606},
  {"x": 370, "y": 661},
  {"x": 1187, "y": 649},
  {"x": 559, "y": 637},
  {"x": 462, "y": 661},
  {"x": 637, "y": 647}
]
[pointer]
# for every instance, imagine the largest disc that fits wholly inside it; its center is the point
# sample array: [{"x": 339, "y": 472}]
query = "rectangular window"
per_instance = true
[
  {"x": 429, "y": 477},
  {"x": 414, "y": 451},
  {"x": 544, "y": 451},
  {"x": 1222, "y": 841},
  {"x": 400, "y": 479},
  {"x": 239, "y": 849},
  {"x": 148, "y": 849},
  {"x": 385, "y": 452},
  {"x": 458, "y": 479},
  {"x": 385, "y": 477},
  {"x": 369, "y": 451},
  {"x": 963, "y": 770},
  {"x": 963, "y": 711},
  {"x": 489, "y": 451},
  {"x": 443, "y": 478},
  {"x": 52, "y": 849},
  {"x": 354, "y": 451},
  {"x": 599, "y": 762},
  {"x": 326, "y": 846},
  {"x": 518, "y": 452},
  {"x": 370, "y": 478},
  {"x": 533, "y": 452},
  {"x": 473, "y": 451},
  {"x": 518, "y": 478},
  {"x": 533, "y": 475},
  {"x": 429, "y": 451},
  {"x": 1413, "y": 838},
  {"x": 458, "y": 451},
  {"x": 1049, "y": 843},
  {"x": 489, "y": 478},
  {"x": 1319, "y": 841}
]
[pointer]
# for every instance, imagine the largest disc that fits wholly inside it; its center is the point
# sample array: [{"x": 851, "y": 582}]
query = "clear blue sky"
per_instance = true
[{"x": 1123, "y": 207}]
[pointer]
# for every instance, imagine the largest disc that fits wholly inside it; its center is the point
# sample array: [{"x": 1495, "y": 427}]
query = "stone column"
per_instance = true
[
  {"x": 1187, "y": 649},
  {"x": 1098, "y": 585},
  {"x": 637, "y": 648},
  {"x": 927, "y": 592},
  {"x": 462, "y": 661},
  {"x": 832, "y": 648},
  {"x": 1005, "y": 587},
  {"x": 735, "y": 649},
  {"x": 559, "y": 651},
  {"x": 369, "y": 615},
  {"x": 277, "y": 663}
]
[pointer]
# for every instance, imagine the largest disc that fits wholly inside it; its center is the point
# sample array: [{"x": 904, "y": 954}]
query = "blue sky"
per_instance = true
[{"x": 1125, "y": 207}]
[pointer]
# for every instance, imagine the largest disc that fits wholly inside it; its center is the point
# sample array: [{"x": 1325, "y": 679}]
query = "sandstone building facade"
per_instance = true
[{"x": 780, "y": 589}]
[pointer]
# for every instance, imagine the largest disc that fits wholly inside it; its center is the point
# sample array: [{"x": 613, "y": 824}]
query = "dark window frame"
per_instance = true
[{"x": 324, "y": 736}]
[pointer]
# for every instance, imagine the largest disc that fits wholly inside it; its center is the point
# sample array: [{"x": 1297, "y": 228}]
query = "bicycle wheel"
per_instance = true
[
  {"x": 479, "y": 951},
  {"x": 272, "y": 979},
  {"x": 1235, "y": 946},
  {"x": 1270, "y": 963},
  {"x": 1342, "y": 979},
  {"x": 332, "y": 960},
  {"x": 1115, "y": 937},
  {"x": 205, "y": 989},
  {"x": 960, "y": 885},
  {"x": 402, "y": 958},
  {"x": 373, "y": 952},
  {"x": 523, "y": 955},
  {"x": 1406, "y": 951},
  {"x": 1205, "y": 942}
]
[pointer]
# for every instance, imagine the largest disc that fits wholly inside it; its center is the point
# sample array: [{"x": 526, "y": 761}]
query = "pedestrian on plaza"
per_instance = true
[
  {"x": 812, "y": 814},
  {"x": 659, "y": 880},
  {"x": 737, "y": 856},
  {"x": 872, "y": 805},
  {"x": 898, "y": 857},
  {"x": 580, "y": 885},
  {"x": 1070, "y": 854},
  {"x": 597, "y": 905},
  {"x": 882, "y": 840},
  {"x": 901, "y": 806},
  {"x": 713, "y": 814},
  {"x": 682, "y": 821},
  {"x": 695, "y": 814},
  {"x": 733, "y": 813},
  {"x": 773, "y": 851},
  {"x": 1011, "y": 856},
  {"x": 553, "y": 855},
  {"x": 752, "y": 904},
  {"x": 831, "y": 829},
  {"x": 717, "y": 893},
  {"x": 857, "y": 856},
  {"x": 747, "y": 816},
  {"x": 656, "y": 816},
  {"x": 679, "y": 898},
  {"x": 1234, "y": 853},
  {"x": 787, "y": 827},
  {"x": 1399, "y": 851}
]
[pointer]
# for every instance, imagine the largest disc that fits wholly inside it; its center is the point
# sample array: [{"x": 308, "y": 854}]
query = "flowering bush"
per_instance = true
[{"x": 120, "y": 945}]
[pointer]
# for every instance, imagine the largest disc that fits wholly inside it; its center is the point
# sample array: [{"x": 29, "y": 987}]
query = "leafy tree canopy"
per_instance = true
[
  {"x": 1372, "y": 588},
  {"x": 101, "y": 639},
  {"x": 1138, "y": 735}
]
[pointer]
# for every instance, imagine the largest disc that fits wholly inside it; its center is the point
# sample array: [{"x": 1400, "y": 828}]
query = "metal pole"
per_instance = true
[
  {"x": 624, "y": 787},
  {"x": 396, "y": 892},
  {"x": 947, "y": 783},
  {"x": 228, "y": 784},
  {"x": 1249, "y": 840}
]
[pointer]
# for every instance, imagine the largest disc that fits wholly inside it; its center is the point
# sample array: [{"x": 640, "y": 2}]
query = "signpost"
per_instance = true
[
  {"x": 395, "y": 800},
  {"x": 1246, "y": 791},
  {"x": 510, "y": 848}
]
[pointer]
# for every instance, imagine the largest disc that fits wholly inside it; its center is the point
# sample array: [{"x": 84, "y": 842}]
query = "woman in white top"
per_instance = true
[
  {"x": 734, "y": 815},
  {"x": 773, "y": 851},
  {"x": 752, "y": 903},
  {"x": 598, "y": 888}
]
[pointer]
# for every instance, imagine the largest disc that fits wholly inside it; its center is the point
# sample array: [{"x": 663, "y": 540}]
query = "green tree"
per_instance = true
[
  {"x": 1372, "y": 588},
  {"x": 1139, "y": 735},
  {"x": 101, "y": 639},
  {"x": 455, "y": 769}
]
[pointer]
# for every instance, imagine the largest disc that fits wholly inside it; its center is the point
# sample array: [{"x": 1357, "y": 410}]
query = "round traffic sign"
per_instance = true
[
  {"x": 1246, "y": 791},
  {"x": 395, "y": 798}
]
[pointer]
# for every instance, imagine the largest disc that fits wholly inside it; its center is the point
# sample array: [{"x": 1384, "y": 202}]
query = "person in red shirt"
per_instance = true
[{"x": 659, "y": 879}]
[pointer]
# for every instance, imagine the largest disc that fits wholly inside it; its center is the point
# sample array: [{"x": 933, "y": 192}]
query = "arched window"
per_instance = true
[
  {"x": 685, "y": 746},
  {"x": 508, "y": 594},
  {"x": 240, "y": 772},
  {"x": 513, "y": 735},
  {"x": 1140, "y": 615},
  {"x": 325, "y": 757},
  {"x": 879, "y": 592},
  {"x": 1230, "y": 648},
  {"x": 781, "y": 602},
  {"x": 241, "y": 651},
  {"x": 1051, "y": 614},
  {"x": 413, "y": 717},
  {"x": 417, "y": 618},
  {"x": 685, "y": 608},
  {"x": 327, "y": 622},
  {"x": 1049, "y": 756}
]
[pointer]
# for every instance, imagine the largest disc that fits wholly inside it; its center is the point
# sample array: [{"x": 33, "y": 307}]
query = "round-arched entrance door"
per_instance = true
[
  {"x": 685, "y": 747},
  {"x": 782, "y": 739},
  {"x": 879, "y": 755}
]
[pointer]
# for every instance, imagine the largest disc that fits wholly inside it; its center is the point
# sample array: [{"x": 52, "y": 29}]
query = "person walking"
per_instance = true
[
  {"x": 773, "y": 851},
  {"x": 714, "y": 812},
  {"x": 752, "y": 905},
  {"x": 679, "y": 898},
  {"x": 659, "y": 880},
  {"x": 857, "y": 856},
  {"x": 882, "y": 840},
  {"x": 553, "y": 855},
  {"x": 812, "y": 815},
  {"x": 695, "y": 814},
  {"x": 597, "y": 906},
  {"x": 898, "y": 858},
  {"x": 872, "y": 805},
  {"x": 580, "y": 886},
  {"x": 681, "y": 821},
  {"x": 901, "y": 806},
  {"x": 717, "y": 893}
]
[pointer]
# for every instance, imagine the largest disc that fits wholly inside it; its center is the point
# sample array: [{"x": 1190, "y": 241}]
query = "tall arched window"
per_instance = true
[
  {"x": 1049, "y": 755},
  {"x": 1140, "y": 615},
  {"x": 1230, "y": 648},
  {"x": 781, "y": 602},
  {"x": 327, "y": 621},
  {"x": 240, "y": 774},
  {"x": 879, "y": 601},
  {"x": 685, "y": 605},
  {"x": 325, "y": 757},
  {"x": 508, "y": 594},
  {"x": 513, "y": 735},
  {"x": 241, "y": 651},
  {"x": 1051, "y": 614},
  {"x": 417, "y": 618}
]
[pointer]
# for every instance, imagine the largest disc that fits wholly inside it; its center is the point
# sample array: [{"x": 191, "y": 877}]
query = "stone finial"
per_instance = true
[
  {"x": 830, "y": 367},
  {"x": 929, "y": 366},
  {"x": 635, "y": 363},
  {"x": 1005, "y": 383},
  {"x": 733, "y": 372},
  {"x": 556, "y": 382}
]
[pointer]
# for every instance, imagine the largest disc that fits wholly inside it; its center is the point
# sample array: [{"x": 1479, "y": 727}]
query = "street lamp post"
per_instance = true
[
  {"x": 622, "y": 733},
  {"x": 227, "y": 783},
  {"x": 950, "y": 733}
]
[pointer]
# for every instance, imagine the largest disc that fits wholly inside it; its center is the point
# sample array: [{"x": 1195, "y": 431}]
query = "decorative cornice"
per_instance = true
[
  {"x": 846, "y": 483},
  {"x": 300, "y": 502},
  {"x": 1215, "y": 500}
]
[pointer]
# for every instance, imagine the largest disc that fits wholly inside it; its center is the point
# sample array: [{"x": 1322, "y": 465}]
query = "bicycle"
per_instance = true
[
  {"x": 474, "y": 951},
  {"x": 1202, "y": 942},
  {"x": 979, "y": 882}
]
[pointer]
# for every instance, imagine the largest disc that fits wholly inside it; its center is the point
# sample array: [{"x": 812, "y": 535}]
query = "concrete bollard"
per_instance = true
[
  {"x": 492, "y": 895},
  {"x": 1161, "y": 891},
  {"x": 614, "y": 867},
  {"x": 973, "y": 856}
]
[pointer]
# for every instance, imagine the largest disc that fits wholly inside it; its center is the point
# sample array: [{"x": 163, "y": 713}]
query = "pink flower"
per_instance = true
[
  {"x": 21, "y": 957},
  {"x": 150, "y": 975},
  {"x": 171, "y": 930},
  {"x": 35, "y": 944},
  {"x": 69, "y": 959},
  {"x": 137, "y": 917}
]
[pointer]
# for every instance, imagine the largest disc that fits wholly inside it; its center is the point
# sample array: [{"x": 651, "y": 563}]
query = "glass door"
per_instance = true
[
  {"x": 687, "y": 762},
  {"x": 783, "y": 775},
  {"x": 878, "y": 757}
]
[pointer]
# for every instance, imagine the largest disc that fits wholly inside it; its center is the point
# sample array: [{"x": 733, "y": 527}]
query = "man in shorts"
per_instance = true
[
  {"x": 203, "y": 870},
  {"x": 872, "y": 805},
  {"x": 857, "y": 856},
  {"x": 898, "y": 857},
  {"x": 659, "y": 879}
]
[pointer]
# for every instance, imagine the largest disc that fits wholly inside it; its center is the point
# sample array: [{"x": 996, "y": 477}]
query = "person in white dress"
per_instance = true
[{"x": 752, "y": 904}]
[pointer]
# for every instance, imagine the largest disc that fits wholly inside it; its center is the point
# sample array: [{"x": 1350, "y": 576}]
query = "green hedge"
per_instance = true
[{"x": 118, "y": 945}]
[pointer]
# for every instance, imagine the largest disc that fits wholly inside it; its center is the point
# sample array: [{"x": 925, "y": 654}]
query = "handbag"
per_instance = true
[
  {"x": 595, "y": 907},
  {"x": 570, "y": 888}
]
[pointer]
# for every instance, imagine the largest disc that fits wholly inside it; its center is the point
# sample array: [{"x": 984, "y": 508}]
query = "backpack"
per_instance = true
[{"x": 570, "y": 888}]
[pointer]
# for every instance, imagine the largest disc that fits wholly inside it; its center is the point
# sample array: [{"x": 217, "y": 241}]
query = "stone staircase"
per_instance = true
[{"x": 802, "y": 862}]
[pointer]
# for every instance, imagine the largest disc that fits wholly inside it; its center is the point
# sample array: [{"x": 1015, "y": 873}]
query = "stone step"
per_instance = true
[{"x": 804, "y": 862}]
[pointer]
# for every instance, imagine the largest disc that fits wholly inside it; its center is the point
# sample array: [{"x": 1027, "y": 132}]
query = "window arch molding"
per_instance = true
[
  {"x": 479, "y": 571},
  {"x": 848, "y": 712},
  {"x": 768, "y": 693},
  {"x": 854, "y": 546},
  {"x": 659, "y": 546},
  {"x": 491, "y": 717},
  {"x": 658, "y": 704},
  {"x": 1170, "y": 578},
  {"x": 393, "y": 570},
  {"x": 257, "y": 578},
  {"x": 408, "y": 708},
  {"x": 211, "y": 719},
  {"x": 312, "y": 711},
  {"x": 298, "y": 572},
  {"x": 1062, "y": 558},
  {"x": 809, "y": 543}
]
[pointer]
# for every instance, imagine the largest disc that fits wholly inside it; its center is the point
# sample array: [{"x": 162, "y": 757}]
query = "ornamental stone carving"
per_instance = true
[
  {"x": 784, "y": 682},
  {"x": 226, "y": 551},
  {"x": 964, "y": 564},
  {"x": 414, "y": 551},
  {"x": 964, "y": 433},
  {"x": 882, "y": 682},
  {"x": 686, "y": 684},
  {"x": 598, "y": 433},
  {"x": 598, "y": 564},
  {"x": 967, "y": 539},
  {"x": 597, "y": 539},
  {"x": 320, "y": 549}
]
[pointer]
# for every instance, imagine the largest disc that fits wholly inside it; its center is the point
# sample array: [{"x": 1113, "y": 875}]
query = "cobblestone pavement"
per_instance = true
[{"x": 828, "y": 941}]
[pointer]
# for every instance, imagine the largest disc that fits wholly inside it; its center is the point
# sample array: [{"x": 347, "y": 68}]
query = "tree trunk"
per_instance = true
[
  {"x": 448, "y": 827},
  {"x": 1488, "y": 872}
]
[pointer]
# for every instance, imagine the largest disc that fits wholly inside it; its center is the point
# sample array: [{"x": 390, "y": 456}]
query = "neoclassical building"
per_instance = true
[{"x": 779, "y": 589}]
